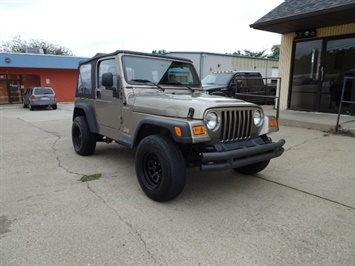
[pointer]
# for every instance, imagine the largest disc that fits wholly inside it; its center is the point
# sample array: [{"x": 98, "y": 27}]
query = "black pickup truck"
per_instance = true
[{"x": 230, "y": 83}]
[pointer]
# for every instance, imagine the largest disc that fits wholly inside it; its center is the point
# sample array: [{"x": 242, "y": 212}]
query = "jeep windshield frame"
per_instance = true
[{"x": 159, "y": 71}]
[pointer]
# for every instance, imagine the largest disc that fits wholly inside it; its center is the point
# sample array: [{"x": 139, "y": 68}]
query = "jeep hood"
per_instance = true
[{"x": 177, "y": 105}]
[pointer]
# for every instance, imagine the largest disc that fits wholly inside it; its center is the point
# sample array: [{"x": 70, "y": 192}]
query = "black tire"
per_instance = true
[
  {"x": 84, "y": 141},
  {"x": 31, "y": 107},
  {"x": 54, "y": 107},
  {"x": 160, "y": 168},
  {"x": 24, "y": 104},
  {"x": 252, "y": 169}
]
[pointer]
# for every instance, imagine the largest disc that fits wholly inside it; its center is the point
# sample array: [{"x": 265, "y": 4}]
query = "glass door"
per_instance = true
[
  {"x": 306, "y": 75},
  {"x": 4, "y": 98},
  {"x": 339, "y": 63},
  {"x": 14, "y": 91}
]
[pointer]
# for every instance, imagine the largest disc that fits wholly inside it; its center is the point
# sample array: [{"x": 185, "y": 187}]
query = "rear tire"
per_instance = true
[
  {"x": 252, "y": 169},
  {"x": 160, "y": 168},
  {"x": 84, "y": 141},
  {"x": 54, "y": 107},
  {"x": 31, "y": 107}
]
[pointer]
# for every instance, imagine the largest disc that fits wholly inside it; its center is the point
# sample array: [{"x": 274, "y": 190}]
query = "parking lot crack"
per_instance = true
[
  {"x": 57, "y": 157},
  {"x": 136, "y": 232},
  {"x": 54, "y": 149},
  {"x": 302, "y": 143},
  {"x": 306, "y": 192}
]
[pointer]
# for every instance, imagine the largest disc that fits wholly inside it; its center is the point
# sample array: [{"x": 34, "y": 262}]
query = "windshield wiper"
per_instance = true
[
  {"x": 146, "y": 81},
  {"x": 179, "y": 83}
]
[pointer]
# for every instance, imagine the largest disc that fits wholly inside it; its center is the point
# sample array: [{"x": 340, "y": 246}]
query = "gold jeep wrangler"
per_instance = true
[{"x": 156, "y": 104}]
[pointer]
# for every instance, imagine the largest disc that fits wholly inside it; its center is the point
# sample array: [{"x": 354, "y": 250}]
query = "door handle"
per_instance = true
[
  {"x": 322, "y": 74},
  {"x": 98, "y": 93}
]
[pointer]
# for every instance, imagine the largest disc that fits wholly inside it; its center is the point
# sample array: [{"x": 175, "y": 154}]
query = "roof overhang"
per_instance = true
[{"x": 313, "y": 20}]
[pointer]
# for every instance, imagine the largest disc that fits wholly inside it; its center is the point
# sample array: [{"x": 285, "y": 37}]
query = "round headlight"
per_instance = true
[
  {"x": 212, "y": 121},
  {"x": 258, "y": 118}
]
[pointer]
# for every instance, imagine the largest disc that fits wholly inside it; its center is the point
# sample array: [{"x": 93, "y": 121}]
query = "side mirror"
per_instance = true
[
  {"x": 107, "y": 79},
  {"x": 107, "y": 82}
]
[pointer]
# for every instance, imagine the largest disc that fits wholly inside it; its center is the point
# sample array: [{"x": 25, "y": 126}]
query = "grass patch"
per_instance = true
[{"x": 86, "y": 178}]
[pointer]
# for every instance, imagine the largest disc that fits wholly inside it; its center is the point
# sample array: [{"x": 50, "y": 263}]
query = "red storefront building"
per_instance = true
[{"x": 20, "y": 71}]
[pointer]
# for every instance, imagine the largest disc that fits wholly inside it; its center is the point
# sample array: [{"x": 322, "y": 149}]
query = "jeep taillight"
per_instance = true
[{"x": 33, "y": 97}]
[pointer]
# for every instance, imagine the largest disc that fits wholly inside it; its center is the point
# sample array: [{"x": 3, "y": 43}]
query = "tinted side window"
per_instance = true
[
  {"x": 107, "y": 66},
  {"x": 240, "y": 79}
]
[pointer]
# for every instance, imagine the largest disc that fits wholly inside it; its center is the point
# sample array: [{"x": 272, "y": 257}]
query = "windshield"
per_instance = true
[
  {"x": 217, "y": 79},
  {"x": 159, "y": 71}
]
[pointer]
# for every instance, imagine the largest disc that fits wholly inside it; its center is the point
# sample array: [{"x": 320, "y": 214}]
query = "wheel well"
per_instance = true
[
  {"x": 146, "y": 130},
  {"x": 87, "y": 112},
  {"x": 78, "y": 112}
]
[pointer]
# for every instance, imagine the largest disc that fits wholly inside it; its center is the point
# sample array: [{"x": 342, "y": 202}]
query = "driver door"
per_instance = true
[{"x": 108, "y": 106}]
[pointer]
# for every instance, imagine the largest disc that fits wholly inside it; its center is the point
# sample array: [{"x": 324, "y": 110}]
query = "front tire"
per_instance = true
[
  {"x": 160, "y": 168},
  {"x": 252, "y": 169},
  {"x": 84, "y": 141}
]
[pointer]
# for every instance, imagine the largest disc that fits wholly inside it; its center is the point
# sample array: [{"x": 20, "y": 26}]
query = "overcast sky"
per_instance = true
[{"x": 88, "y": 27}]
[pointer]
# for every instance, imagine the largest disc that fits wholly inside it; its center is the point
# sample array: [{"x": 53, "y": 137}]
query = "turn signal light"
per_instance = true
[
  {"x": 272, "y": 123},
  {"x": 178, "y": 131},
  {"x": 199, "y": 130}
]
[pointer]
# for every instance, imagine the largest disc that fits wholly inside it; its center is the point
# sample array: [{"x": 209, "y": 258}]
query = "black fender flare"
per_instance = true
[
  {"x": 168, "y": 124},
  {"x": 88, "y": 111}
]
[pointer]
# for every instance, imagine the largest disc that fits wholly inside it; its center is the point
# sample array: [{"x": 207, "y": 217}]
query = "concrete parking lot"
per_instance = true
[{"x": 298, "y": 211}]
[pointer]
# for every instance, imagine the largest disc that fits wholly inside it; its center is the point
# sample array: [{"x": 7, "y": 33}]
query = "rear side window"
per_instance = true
[{"x": 84, "y": 80}]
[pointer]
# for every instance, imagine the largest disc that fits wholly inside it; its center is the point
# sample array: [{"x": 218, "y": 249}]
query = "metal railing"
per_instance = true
[{"x": 343, "y": 101}]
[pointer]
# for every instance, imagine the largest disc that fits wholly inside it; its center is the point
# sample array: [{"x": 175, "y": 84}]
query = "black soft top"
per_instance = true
[{"x": 100, "y": 55}]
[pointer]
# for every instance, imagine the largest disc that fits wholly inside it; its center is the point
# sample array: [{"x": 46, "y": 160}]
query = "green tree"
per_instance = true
[
  {"x": 275, "y": 51},
  {"x": 237, "y": 53},
  {"x": 250, "y": 53},
  {"x": 159, "y": 52},
  {"x": 255, "y": 54},
  {"x": 19, "y": 45}
]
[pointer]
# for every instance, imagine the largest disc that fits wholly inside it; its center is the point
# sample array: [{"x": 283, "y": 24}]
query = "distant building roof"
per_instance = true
[
  {"x": 294, "y": 15},
  {"x": 39, "y": 61}
]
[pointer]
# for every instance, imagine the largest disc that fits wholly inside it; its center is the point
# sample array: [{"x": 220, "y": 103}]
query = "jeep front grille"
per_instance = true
[{"x": 236, "y": 125}]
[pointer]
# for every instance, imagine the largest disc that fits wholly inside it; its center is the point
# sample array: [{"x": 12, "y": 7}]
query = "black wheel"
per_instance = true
[
  {"x": 24, "y": 104},
  {"x": 54, "y": 107},
  {"x": 84, "y": 141},
  {"x": 252, "y": 169},
  {"x": 31, "y": 107},
  {"x": 160, "y": 168}
]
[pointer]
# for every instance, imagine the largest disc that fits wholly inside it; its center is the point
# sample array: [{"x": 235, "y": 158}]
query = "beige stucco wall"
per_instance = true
[{"x": 286, "y": 53}]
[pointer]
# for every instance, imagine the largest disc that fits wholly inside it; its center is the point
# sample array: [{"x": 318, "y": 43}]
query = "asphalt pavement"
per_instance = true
[{"x": 299, "y": 211}]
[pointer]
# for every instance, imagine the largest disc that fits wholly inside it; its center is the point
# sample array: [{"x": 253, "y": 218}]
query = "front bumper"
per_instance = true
[{"x": 227, "y": 156}]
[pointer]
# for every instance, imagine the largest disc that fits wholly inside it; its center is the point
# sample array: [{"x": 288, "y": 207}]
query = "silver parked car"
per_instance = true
[{"x": 38, "y": 97}]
